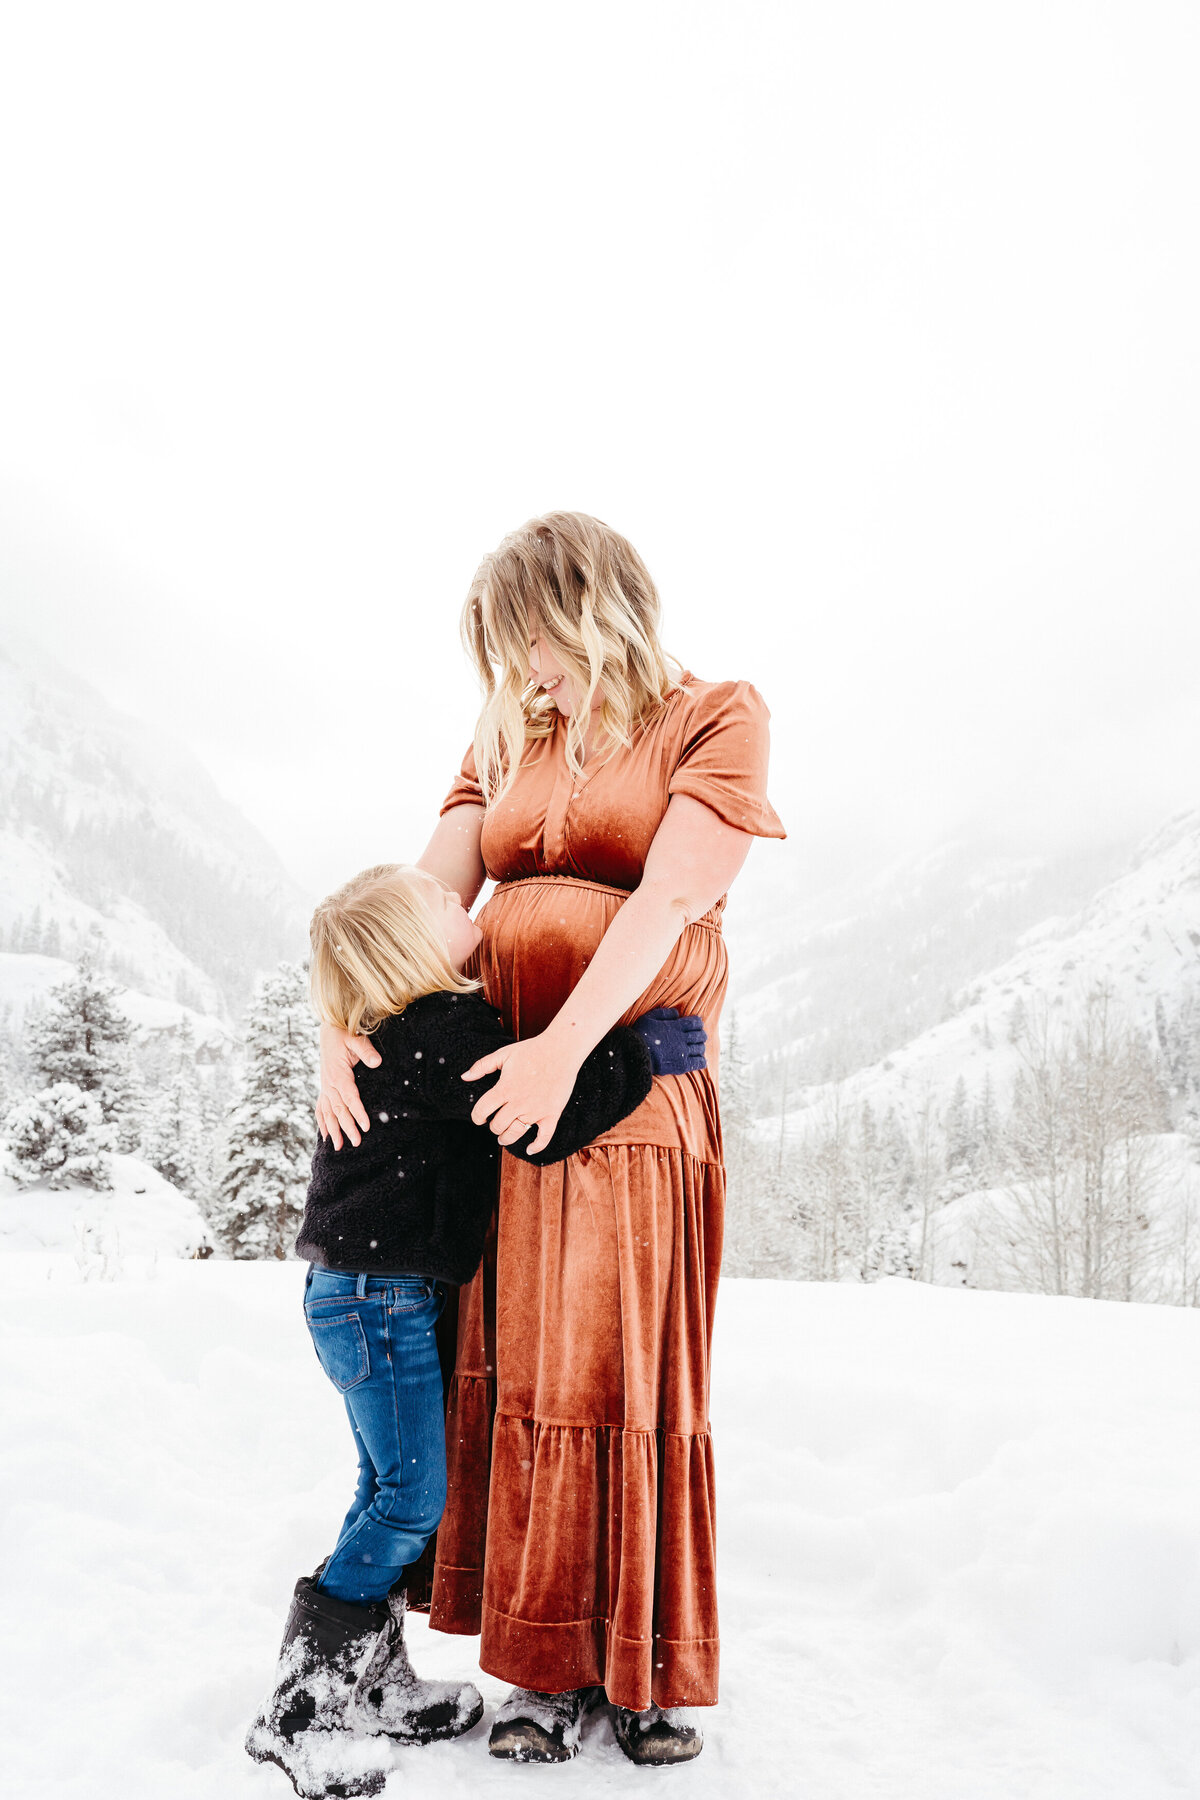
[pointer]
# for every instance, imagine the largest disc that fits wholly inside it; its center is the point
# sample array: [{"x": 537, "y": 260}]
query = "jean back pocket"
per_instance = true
[{"x": 341, "y": 1347}]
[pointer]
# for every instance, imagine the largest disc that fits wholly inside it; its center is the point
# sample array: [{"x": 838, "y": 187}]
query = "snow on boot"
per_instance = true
[
  {"x": 303, "y": 1726},
  {"x": 389, "y": 1697},
  {"x": 533, "y": 1727},
  {"x": 657, "y": 1735}
]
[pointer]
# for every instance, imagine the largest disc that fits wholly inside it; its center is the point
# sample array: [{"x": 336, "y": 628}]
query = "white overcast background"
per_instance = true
[{"x": 873, "y": 326}]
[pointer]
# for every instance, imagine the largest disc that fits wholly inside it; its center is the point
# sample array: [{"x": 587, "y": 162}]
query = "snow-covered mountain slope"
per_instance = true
[
  {"x": 142, "y": 1216},
  {"x": 1138, "y": 937},
  {"x": 107, "y": 827},
  {"x": 843, "y": 972},
  {"x": 25, "y": 981},
  {"x": 957, "y": 1538}
]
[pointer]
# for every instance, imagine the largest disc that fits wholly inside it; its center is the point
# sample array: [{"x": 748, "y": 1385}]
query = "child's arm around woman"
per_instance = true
[{"x": 416, "y": 1194}]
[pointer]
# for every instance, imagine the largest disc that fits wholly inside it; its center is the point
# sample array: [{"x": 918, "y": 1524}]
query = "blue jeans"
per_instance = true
[{"x": 374, "y": 1338}]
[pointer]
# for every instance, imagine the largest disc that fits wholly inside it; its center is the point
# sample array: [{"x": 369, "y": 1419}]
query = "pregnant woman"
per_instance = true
[{"x": 612, "y": 798}]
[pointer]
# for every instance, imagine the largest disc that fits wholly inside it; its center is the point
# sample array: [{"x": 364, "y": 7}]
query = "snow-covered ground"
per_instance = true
[
  {"x": 960, "y": 1542},
  {"x": 127, "y": 1227}
]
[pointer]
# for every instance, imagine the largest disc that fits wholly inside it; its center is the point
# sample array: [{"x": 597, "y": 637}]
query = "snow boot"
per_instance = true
[
  {"x": 657, "y": 1735},
  {"x": 533, "y": 1727},
  {"x": 303, "y": 1726},
  {"x": 388, "y": 1697}
]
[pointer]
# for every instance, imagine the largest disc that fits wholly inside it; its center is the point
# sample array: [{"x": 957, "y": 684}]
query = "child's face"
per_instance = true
[{"x": 461, "y": 932}]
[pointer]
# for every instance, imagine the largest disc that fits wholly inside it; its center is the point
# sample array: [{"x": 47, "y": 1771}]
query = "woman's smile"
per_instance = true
[{"x": 551, "y": 679}]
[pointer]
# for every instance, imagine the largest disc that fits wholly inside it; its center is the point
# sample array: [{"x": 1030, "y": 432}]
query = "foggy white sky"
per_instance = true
[{"x": 874, "y": 327}]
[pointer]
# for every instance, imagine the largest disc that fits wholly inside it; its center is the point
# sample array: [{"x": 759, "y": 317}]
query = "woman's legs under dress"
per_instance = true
[{"x": 594, "y": 1562}]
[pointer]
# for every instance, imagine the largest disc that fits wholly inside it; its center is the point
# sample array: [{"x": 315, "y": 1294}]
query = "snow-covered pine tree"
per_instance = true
[
  {"x": 271, "y": 1129},
  {"x": 927, "y": 1191},
  {"x": 962, "y": 1148},
  {"x": 1178, "y": 1037},
  {"x": 883, "y": 1214},
  {"x": 1018, "y": 1021},
  {"x": 59, "y": 1137},
  {"x": 988, "y": 1135},
  {"x": 1189, "y": 1037},
  {"x": 82, "y": 1036},
  {"x": 173, "y": 1139},
  {"x": 897, "y": 1153},
  {"x": 16, "y": 1076},
  {"x": 827, "y": 1190},
  {"x": 959, "y": 1129},
  {"x": 219, "y": 1088},
  {"x": 869, "y": 1166},
  {"x": 8, "y": 1083},
  {"x": 737, "y": 1115},
  {"x": 32, "y": 941}
]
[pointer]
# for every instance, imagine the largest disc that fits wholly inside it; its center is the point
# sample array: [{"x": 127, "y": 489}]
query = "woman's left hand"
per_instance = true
[{"x": 535, "y": 1084}]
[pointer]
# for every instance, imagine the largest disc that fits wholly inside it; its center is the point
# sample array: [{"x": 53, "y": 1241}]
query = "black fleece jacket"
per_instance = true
[{"x": 416, "y": 1195}]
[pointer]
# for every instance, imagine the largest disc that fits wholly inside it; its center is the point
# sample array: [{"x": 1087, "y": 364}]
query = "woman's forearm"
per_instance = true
[
  {"x": 691, "y": 863},
  {"x": 628, "y": 957}
]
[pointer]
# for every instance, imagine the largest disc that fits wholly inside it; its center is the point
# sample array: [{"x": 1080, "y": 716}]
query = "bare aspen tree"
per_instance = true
[
  {"x": 1083, "y": 1212},
  {"x": 736, "y": 1109},
  {"x": 1040, "y": 1156},
  {"x": 826, "y": 1190},
  {"x": 928, "y": 1163},
  {"x": 763, "y": 1236},
  {"x": 1075, "y": 1190},
  {"x": 988, "y": 1149},
  {"x": 745, "y": 1200},
  {"x": 869, "y": 1171},
  {"x": 1187, "y": 1289}
]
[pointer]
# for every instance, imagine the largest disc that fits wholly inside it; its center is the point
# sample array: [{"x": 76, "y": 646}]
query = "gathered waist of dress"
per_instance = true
[{"x": 711, "y": 920}]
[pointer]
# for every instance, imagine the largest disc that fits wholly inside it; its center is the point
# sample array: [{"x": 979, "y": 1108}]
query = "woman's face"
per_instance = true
[
  {"x": 461, "y": 932},
  {"x": 548, "y": 673}
]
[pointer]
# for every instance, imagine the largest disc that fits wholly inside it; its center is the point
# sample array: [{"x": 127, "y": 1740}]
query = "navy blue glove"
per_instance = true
[{"x": 676, "y": 1045}]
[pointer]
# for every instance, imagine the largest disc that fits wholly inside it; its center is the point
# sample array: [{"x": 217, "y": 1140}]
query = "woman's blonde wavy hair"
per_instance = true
[
  {"x": 376, "y": 945},
  {"x": 577, "y": 583}
]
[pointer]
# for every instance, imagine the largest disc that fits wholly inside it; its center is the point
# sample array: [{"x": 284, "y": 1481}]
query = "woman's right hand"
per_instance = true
[{"x": 338, "y": 1105}]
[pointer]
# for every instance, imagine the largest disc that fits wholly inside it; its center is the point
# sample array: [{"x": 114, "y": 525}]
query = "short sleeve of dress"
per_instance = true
[
  {"x": 723, "y": 761},
  {"x": 465, "y": 790}
]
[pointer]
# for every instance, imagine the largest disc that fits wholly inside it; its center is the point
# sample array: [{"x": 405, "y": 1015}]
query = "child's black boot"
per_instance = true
[
  {"x": 389, "y": 1697},
  {"x": 303, "y": 1727}
]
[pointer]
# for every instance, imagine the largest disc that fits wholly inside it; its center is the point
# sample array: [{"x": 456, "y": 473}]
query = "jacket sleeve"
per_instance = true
[
  {"x": 612, "y": 1083},
  {"x": 338, "y": 1172}
]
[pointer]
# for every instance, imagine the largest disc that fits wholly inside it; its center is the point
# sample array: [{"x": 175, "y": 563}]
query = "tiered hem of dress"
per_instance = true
[{"x": 598, "y": 1566}]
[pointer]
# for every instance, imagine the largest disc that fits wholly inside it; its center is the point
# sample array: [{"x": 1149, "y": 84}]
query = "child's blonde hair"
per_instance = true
[{"x": 376, "y": 946}]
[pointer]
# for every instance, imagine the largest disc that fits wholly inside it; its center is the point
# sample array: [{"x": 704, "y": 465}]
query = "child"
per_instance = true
[{"x": 388, "y": 1223}]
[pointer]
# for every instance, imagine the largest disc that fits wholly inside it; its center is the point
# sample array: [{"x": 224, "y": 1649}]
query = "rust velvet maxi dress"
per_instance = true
[{"x": 578, "y": 1536}]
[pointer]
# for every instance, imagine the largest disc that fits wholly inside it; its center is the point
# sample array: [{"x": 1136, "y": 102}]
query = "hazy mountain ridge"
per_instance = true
[
  {"x": 1138, "y": 936},
  {"x": 106, "y": 827},
  {"x": 836, "y": 981}
]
